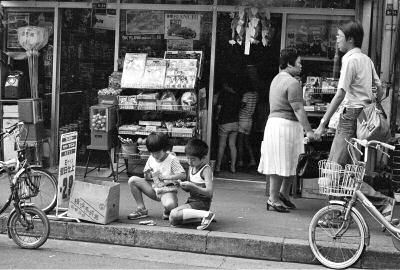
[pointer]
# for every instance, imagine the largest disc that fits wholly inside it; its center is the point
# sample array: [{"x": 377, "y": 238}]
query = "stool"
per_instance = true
[{"x": 99, "y": 148}]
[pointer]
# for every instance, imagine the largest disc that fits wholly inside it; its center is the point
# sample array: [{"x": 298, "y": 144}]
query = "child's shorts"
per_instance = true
[
  {"x": 198, "y": 204},
  {"x": 245, "y": 126}
]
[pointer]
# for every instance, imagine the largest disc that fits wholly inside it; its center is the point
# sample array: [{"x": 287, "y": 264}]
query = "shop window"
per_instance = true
[
  {"x": 87, "y": 60},
  {"x": 148, "y": 32},
  {"x": 314, "y": 37},
  {"x": 15, "y": 20},
  {"x": 340, "y": 4}
]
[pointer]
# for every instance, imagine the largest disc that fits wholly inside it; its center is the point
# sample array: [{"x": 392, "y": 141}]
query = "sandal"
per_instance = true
[{"x": 206, "y": 221}]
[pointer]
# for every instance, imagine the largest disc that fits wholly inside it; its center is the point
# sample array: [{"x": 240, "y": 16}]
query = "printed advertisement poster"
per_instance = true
[
  {"x": 182, "y": 26},
  {"x": 132, "y": 73},
  {"x": 106, "y": 22},
  {"x": 181, "y": 73},
  {"x": 67, "y": 166},
  {"x": 154, "y": 73},
  {"x": 144, "y": 22},
  {"x": 15, "y": 20}
]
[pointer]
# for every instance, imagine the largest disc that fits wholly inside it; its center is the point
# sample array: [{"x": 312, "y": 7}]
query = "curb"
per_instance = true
[{"x": 206, "y": 242}]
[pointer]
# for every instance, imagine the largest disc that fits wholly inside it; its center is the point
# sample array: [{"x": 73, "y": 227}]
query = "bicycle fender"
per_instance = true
[{"x": 358, "y": 214}]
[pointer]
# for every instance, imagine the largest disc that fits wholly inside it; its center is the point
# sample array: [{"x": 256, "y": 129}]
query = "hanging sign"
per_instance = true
[{"x": 67, "y": 165}]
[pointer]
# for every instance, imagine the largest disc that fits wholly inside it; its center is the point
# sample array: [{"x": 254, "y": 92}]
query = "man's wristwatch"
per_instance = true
[{"x": 323, "y": 121}]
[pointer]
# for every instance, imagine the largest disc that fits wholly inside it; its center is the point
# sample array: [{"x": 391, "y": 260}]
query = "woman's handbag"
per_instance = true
[
  {"x": 372, "y": 123},
  {"x": 307, "y": 166}
]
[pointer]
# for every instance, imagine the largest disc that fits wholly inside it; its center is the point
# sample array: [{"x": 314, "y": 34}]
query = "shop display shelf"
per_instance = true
[
  {"x": 182, "y": 132},
  {"x": 128, "y": 107},
  {"x": 322, "y": 91}
]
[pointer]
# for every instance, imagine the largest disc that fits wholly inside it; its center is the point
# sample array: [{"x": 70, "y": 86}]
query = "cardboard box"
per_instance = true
[
  {"x": 310, "y": 189},
  {"x": 95, "y": 200}
]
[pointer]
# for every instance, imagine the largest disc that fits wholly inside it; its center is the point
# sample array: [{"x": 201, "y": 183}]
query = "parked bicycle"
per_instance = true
[
  {"x": 46, "y": 199},
  {"x": 338, "y": 233},
  {"x": 27, "y": 225}
]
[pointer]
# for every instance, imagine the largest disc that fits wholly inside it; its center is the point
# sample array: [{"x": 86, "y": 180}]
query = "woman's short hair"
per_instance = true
[
  {"x": 353, "y": 29},
  {"x": 196, "y": 148},
  {"x": 288, "y": 56},
  {"x": 157, "y": 141}
]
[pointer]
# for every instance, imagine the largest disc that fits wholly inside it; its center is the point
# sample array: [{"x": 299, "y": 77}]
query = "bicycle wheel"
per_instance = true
[
  {"x": 31, "y": 229},
  {"x": 47, "y": 196},
  {"x": 336, "y": 251}
]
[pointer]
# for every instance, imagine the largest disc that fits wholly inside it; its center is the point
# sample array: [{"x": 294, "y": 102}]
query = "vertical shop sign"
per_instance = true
[
  {"x": 66, "y": 169},
  {"x": 182, "y": 26}
]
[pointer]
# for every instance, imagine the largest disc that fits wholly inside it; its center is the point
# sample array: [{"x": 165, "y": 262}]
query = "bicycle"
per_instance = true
[
  {"x": 46, "y": 198},
  {"x": 27, "y": 225},
  {"x": 338, "y": 233}
]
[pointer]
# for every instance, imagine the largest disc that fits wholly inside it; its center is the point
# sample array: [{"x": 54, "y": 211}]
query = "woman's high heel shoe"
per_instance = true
[
  {"x": 277, "y": 207},
  {"x": 287, "y": 202}
]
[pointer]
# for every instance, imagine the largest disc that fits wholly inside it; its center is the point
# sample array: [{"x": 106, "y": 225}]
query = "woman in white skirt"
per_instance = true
[{"x": 283, "y": 135}]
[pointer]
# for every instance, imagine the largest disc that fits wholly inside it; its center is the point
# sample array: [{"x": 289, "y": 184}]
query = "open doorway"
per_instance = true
[{"x": 254, "y": 71}]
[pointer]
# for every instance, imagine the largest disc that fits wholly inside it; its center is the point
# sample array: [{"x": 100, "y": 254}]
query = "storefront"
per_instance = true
[{"x": 88, "y": 42}]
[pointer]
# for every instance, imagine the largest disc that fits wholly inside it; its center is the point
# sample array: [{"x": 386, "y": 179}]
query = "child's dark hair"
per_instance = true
[
  {"x": 157, "y": 141},
  {"x": 196, "y": 148}
]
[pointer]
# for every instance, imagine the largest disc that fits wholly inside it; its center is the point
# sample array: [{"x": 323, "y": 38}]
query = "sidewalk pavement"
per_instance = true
[{"x": 243, "y": 228}]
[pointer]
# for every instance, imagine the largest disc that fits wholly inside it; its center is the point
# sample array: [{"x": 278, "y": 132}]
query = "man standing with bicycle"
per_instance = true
[{"x": 354, "y": 91}]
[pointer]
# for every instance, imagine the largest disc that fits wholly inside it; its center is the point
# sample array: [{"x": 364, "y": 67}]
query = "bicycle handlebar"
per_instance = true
[
  {"x": 10, "y": 129},
  {"x": 366, "y": 143}
]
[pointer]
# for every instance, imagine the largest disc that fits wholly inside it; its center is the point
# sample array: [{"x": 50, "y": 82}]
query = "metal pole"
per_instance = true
[
  {"x": 212, "y": 69},
  {"x": 55, "y": 87}
]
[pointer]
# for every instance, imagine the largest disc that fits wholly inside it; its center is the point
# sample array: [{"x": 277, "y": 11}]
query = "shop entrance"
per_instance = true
[
  {"x": 87, "y": 60},
  {"x": 252, "y": 72}
]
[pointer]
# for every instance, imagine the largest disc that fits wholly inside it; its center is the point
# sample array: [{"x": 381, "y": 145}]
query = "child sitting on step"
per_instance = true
[
  {"x": 199, "y": 186},
  {"x": 164, "y": 169}
]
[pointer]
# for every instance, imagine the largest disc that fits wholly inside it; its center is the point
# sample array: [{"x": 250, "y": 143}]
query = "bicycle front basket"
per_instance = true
[
  {"x": 335, "y": 181},
  {"x": 28, "y": 186}
]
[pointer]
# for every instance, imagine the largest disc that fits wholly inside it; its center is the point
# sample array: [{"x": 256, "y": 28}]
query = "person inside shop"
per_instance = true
[
  {"x": 354, "y": 92},
  {"x": 227, "y": 117},
  {"x": 247, "y": 108},
  {"x": 284, "y": 135},
  {"x": 164, "y": 170},
  {"x": 199, "y": 186}
]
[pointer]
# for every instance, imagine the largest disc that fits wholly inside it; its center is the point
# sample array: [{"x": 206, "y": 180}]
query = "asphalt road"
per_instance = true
[{"x": 72, "y": 255}]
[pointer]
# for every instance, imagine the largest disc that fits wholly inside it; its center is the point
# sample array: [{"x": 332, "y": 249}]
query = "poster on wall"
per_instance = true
[
  {"x": 106, "y": 22},
  {"x": 144, "y": 22},
  {"x": 182, "y": 26},
  {"x": 15, "y": 20}
]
